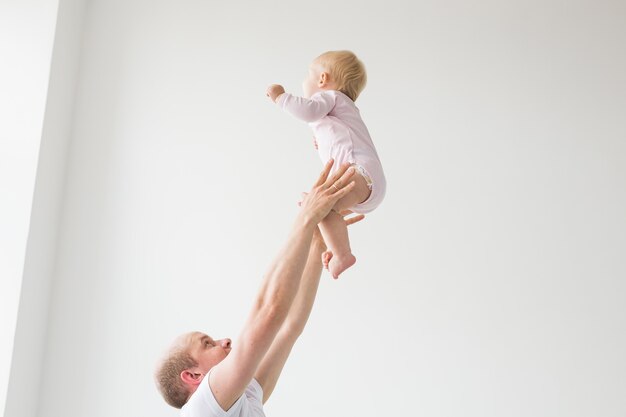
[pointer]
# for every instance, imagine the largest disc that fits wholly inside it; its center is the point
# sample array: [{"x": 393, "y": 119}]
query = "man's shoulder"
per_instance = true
[{"x": 203, "y": 403}]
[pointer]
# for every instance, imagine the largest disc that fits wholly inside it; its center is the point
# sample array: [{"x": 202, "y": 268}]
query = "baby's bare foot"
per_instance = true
[
  {"x": 337, "y": 264},
  {"x": 326, "y": 257}
]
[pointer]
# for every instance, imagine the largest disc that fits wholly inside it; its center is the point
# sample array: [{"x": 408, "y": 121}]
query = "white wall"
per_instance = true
[
  {"x": 489, "y": 283},
  {"x": 26, "y": 33},
  {"x": 30, "y": 334}
]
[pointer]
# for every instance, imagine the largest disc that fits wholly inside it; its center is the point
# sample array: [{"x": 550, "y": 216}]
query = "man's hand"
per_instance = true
[
  {"x": 318, "y": 202},
  {"x": 318, "y": 240},
  {"x": 274, "y": 90}
]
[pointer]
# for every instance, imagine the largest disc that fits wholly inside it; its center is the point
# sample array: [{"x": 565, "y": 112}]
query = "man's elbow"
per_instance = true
[
  {"x": 273, "y": 313},
  {"x": 292, "y": 329}
]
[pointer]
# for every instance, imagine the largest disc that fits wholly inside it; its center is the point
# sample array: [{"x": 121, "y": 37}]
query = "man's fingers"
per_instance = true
[
  {"x": 324, "y": 175},
  {"x": 342, "y": 177},
  {"x": 354, "y": 219},
  {"x": 344, "y": 172},
  {"x": 343, "y": 191},
  {"x": 302, "y": 198}
]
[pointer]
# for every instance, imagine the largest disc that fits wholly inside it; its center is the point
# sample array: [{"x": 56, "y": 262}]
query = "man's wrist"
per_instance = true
[
  {"x": 305, "y": 224},
  {"x": 318, "y": 245}
]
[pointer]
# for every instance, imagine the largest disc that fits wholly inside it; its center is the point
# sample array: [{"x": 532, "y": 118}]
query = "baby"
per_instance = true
[{"x": 334, "y": 82}]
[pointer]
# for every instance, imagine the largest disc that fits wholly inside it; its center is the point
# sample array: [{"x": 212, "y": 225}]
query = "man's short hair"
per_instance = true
[
  {"x": 167, "y": 376},
  {"x": 346, "y": 70}
]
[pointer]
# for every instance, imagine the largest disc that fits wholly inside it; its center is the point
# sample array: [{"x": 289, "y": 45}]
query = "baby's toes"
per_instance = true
[{"x": 326, "y": 257}]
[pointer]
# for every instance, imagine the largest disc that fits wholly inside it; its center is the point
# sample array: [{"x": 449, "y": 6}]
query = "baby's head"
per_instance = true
[{"x": 336, "y": 70}]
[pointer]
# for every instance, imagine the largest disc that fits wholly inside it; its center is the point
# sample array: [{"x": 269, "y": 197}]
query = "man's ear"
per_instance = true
[
  {"x": 324, "y": 79},
  {"x": 190, "y": 377}
]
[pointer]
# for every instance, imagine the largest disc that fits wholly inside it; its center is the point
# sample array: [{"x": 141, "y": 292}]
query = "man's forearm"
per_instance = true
[
  {"x": 279, "y": 288},
  {"x": 231, "y": 376},
  {"x": 305, "y": 298},
  {"x": 271, "y": 367},
  {"x": 282, "y": 279}
]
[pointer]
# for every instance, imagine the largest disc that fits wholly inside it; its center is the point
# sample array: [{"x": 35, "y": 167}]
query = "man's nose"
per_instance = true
[{"x": 225, "y": 343}]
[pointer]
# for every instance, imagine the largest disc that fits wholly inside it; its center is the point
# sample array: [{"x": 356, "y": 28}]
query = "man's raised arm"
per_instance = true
[
  {"x": 230, "y": 377},
  {"x": 272, "y": 364}
]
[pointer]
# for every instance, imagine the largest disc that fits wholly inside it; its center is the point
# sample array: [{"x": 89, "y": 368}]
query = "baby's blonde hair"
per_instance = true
[{"x": 346, "y": 70}]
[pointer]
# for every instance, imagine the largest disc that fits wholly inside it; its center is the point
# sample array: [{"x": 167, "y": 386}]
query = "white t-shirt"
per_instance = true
[{"x": 203, "y": 403}]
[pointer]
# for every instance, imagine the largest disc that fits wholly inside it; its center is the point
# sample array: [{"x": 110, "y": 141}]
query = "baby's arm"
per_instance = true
[{"x": 308, "y": 110}]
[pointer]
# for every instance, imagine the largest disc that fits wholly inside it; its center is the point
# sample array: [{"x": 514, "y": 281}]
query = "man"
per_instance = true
[{"x": 210, "y": 378}]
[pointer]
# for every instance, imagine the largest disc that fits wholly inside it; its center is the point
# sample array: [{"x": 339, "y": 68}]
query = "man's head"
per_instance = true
[
  {"x": 336, "y": 70},
  {"x": 185, "y": 364}
]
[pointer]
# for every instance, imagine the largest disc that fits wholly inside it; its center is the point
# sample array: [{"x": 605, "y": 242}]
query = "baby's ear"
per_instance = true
[{"x": 324, "y": 79}]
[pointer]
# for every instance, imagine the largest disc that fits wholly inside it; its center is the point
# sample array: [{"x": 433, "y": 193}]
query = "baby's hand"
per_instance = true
[{"x": 274, "y": 90}]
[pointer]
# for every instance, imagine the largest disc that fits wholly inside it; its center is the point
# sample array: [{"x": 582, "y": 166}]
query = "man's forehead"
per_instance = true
[{"x": 188, "y": 338}]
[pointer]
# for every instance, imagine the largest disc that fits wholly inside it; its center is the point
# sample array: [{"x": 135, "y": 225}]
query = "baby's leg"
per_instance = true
[{"x": 335, "y": 232}]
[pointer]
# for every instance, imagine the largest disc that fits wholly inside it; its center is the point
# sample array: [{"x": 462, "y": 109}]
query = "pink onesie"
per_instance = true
[{"x": 341, "y": 135}]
